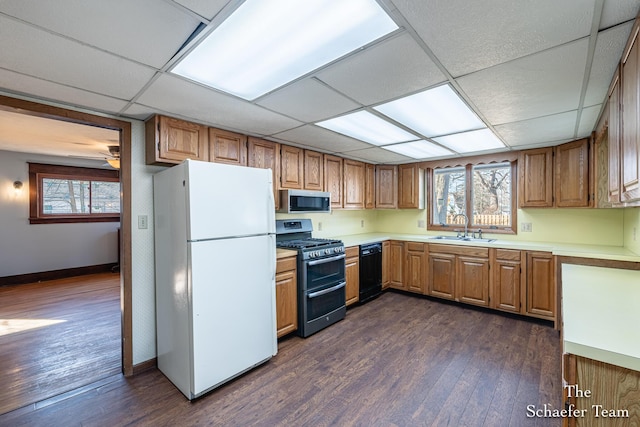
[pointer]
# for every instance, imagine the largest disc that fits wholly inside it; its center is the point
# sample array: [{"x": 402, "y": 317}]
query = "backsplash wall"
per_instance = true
[
  {"x": 338, "y": 222},
  {"x": 631, "y": 221}
]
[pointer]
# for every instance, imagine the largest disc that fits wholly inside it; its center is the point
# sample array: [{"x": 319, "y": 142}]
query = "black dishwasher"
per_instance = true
[{"x": 370, "y": 271}]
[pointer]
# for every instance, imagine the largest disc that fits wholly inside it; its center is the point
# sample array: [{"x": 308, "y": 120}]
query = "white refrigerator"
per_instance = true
[{"x": 215, "y": 262}]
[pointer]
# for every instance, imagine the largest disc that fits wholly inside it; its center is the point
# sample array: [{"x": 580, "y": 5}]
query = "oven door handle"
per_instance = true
[
  {"x": 322, "y": 261},
  {"x": 326, "y": 291}
]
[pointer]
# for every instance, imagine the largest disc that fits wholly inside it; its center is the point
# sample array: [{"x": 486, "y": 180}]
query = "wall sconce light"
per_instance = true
[{"x": 17, "y": 186}]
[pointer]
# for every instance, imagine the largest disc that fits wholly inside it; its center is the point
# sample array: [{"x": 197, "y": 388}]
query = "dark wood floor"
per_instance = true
[
  {"x": 77, "y": 341},
  {"x": 398, "y": 360}
]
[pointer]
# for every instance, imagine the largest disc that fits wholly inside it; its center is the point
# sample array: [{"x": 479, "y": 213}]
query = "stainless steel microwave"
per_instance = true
[{"x": 300, "y": 201}]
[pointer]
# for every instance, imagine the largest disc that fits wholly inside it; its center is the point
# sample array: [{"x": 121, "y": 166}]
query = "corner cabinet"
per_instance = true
[
  {"x": 227, "y": 147},
  {"x": 352, "y": 274},
  {"x": 171, "y": 141},
  {"x": 265, "y": 155},
  {"x": 286, "y": 296}
]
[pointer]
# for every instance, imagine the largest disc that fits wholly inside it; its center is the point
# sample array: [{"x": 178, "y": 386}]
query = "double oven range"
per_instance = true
[{"x": 321, "y": 275}]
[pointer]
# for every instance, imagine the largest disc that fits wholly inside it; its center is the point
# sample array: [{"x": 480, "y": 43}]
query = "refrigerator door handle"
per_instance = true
[
  {"x": 326, "y": 291},
  {"x": 274, "y": 260}
]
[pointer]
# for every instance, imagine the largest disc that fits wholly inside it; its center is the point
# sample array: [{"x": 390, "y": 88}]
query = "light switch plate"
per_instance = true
[{"x": 143, "y": 222}]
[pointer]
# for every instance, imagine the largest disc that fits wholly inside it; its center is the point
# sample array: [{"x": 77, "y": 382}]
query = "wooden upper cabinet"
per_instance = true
[
  {"x": 369, "y": 186},
  {"x": 386, "y": 187},
  {"x": 354, "y": 184},
  {"x": 313, "y": 170},
  {"x": 571, "y": 178},
  {"x": 291, "y": 164},
  {"x": 535, "y": 180},
  {"x": 227, "y": 147},
  {"x": 265, "y": 155},
  {"x": 171, "y": 141},
  {"x": 613, "y": 140},
  {"x": 333, "y": 178},
  {"x": 630, "y": 136},
  {"x": 410, "y": 187}
]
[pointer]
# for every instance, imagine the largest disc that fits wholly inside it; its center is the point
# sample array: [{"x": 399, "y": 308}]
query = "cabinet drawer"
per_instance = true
[
  {"x": 508, "y": 254},
  {"x": 415, "y": 247},
  {"x": 352, "y": 251},
  {"x": 286, "y": 264},
  {"x": 471, "y": 251}
]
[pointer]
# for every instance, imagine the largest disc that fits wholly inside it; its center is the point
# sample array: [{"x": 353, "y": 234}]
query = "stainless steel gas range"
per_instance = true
[{"x": 321, "y": 275}]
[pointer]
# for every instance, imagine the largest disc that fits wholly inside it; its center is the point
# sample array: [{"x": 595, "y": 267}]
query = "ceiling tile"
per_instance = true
[
  {"x": 379, "y": 155},
  {"x": 321, "y": 139},
  {"x": 467, "y": 36},
  {"x": 608, "y": 52},
  {"x": 539, "y": 130},
  {"x": 387, "y": 70},
  {"x": 205, "y": 8},
  {"x": 617, "y": 11},
  {"x": 158, "y": 28},
  {"x": 67, "y": 62},
  {"x": 172, "y": 94},
  {"x": 588, "y": 120},
  {"x": 546, "y": 83},
  {"x": 140, "y": 112},
  {"x": 46, "y": 90},
  {"x": 308, "y": 100}
]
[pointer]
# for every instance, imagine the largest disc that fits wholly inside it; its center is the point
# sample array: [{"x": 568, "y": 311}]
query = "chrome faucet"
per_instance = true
[{"x": 466, "y": 222}]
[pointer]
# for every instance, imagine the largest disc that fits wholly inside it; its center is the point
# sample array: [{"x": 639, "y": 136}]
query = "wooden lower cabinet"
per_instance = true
[
  {"x": 442, "y": 269},
  {"x": 415, "y": 275},
  {"x": 286, "y": 296},
  {"x": 386, "y": 264},
  {"x": 611, "y": 388},
  {"x": 459, "y": 273},
  {"x": 507, "y": 280},
  {"x": 396, "y": 255},
  {"x": 541, "y": 289},
  {"x": 352, "y": 274},
  {"x": 472, "y": 280}
]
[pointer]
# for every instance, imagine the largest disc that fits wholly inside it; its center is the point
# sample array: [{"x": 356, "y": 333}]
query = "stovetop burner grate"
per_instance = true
[{"x": 306, "y": 243}]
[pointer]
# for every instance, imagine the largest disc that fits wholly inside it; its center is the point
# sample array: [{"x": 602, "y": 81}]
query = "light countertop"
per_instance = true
[
  {"x": 285, "y": 253},
  {"x": 617, "y": 253}
]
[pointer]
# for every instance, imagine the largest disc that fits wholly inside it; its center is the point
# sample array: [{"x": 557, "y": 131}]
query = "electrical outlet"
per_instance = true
[
  {"x": 421, "y": 223},
  {"x": 319, "y": 226},
  {"x": 362, "y": 223},
  {"x": 525, "y": 227},
  {"x": 143, "y": 222}
]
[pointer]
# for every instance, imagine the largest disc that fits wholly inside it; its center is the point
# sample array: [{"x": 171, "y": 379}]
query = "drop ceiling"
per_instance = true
[{"x": 536, "y": 73}]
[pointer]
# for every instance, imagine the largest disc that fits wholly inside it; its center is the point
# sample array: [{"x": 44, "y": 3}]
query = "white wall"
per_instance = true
[{"x": 33, "y": 248}]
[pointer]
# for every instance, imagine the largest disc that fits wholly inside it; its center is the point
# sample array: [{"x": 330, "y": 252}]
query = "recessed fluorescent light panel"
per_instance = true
[
  {"x": 265, "y": 44},
  {"x": 367, "y": 127},
  {"x": 434, "y": 112},
  {"x": 466, "y": 142},
  {"x": 418, "y": 149}
]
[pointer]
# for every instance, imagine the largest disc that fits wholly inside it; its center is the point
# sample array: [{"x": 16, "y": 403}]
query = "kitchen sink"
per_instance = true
[{"x": 464, "y": 239}]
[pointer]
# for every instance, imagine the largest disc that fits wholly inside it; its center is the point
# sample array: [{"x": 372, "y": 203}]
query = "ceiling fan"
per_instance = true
[{"x": 112, "y": 158}]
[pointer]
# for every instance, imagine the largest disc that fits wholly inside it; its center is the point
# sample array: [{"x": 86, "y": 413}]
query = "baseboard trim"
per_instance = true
[
  {"x": 21, "y": 279},
  {"x": 145, "y": 366}
]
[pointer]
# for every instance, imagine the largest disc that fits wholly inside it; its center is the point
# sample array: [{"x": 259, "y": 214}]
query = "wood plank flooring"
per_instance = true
[
  {"x": 398, "y": 360},
  {"x": 56, "y": 336}
]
